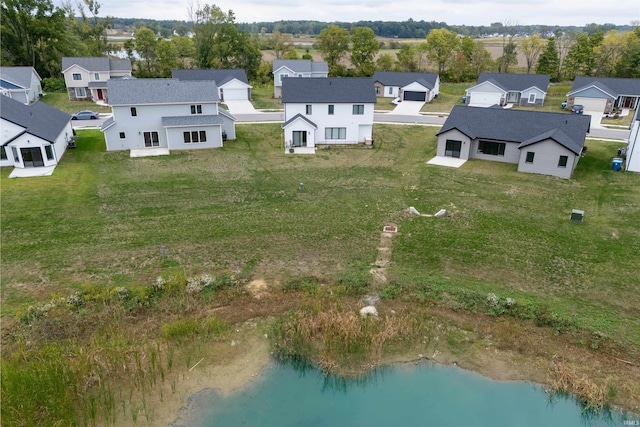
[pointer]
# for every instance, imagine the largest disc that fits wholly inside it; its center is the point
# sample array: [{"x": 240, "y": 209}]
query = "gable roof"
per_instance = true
[
  {"x": 392, "y": 78},
  {"x": 160, "y": 91},
  {"x": 301, "y": 117},
  {"x": 301, "y": 65},
  {"x": 610, "y": 85},
  {"x": 38, "y": 119},
  {"x": 219, "y": 76},
  {"x": 18, "y": 76},
  {"x": 96, "y": 63},
  {"x": 336, "y": 89},
  {"x": 516, "y": 82},
  {"x": 521, "y": 126}
]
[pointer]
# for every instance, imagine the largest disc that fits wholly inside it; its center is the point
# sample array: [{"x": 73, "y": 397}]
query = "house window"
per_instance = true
[
  {"x": 532, "y": 98},
  {"x": 14, "y": 150},
  {"x": 203, "y": 136},
  {"x": 331, "y": 107},
  {"x": 562, "y": 162},
  {"x": 377, "y": 90},
  {"x": 134, "y": 112},
  {"x": 80, "y": 92},
  {"x": 49, "y": 150},
  {"x": 3, "y": 154},
  {"x": 335, "y": 133},
  {"x": 299, "y": 75},
  {"x": 491, "y": 148},
  {"x": 530, "y": 156},
  {"x": 151, "y": 139},
  {"x": 122, "y": 135},
  {"x": 77, "y": 76},
  {"x": 299, "y": 138},
  {"x": 282, "y": 76},
  {"x": 96, "y": 76},
  {"x": 308, "y": 109},
  {"x": 221, "y": 95},
  {"x": 196, "y": 109},
  {"x": 358, "y": 109},
  {"x": 452, "y": 148},
  {"x": 187, "y": 137},
  {"x": 390, "y": 91}
]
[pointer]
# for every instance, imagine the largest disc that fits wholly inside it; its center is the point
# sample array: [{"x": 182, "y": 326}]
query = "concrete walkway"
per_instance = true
[
  {"x": 31, "y": 172},
  {"x": 240, "y": 107},
  {"x": 150, "y": 152},
  {"x": 451, "y": 162},
  {"x": 408, "y": 107}
]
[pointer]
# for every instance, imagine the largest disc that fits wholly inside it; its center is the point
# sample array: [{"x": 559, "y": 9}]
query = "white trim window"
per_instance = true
[
  {"x": 194, "y": 137},
  {"x": 308, "y": 109},
  {"x": 81, "y": 92},
  {"x": 77, "y": 76},
  {"x": 358, "y": 109},
  {"x": 151, "y": 139},
  {"x": 196, "y": 109},
  {"x": 335, "y": 133},
  {"x": 282, "y": 76},
  {"x": 96, "y": 76},
  {"x": 532, "y": 98}
]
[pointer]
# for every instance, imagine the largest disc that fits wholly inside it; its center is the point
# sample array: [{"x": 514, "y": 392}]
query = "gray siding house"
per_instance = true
[
  {"x": 20, "y": 83},
  {"x": 232, "y": 83},
  {"x": 406, "y": 86},
  {"x": 604, "y": 94},
  {"x": 283, "y": 68},
  {"x": 86, "y": 77},
  {"x": 538, "y": 142},
  {"x": 168, "y": 114},
  {"x": 502, "y": 88}
]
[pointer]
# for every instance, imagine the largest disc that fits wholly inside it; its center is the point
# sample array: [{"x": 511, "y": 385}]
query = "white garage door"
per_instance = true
[
  {"x": 592, "y": 104},
  {"x": 235, "y": 94},
  {"x": 480, "y": 99}
]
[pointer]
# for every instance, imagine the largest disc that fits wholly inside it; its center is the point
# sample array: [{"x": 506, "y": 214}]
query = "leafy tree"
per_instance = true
[
  {"x": 629, "y": 64},
  {"x": 580, "y": 59},
  {"x": 333, "y": 43},
  {"x": 408, "y": 58},
  {"x": 93, "y": 30},
  {"x": 293, "y": 54},
  {"x": 167, "y": 57},
  {"x": 564, "y": 40},
  {"x": 385, "y": 62},
  {"x": 440, "y": 45},
  {"x": 282, "y": 44},
  {"x": 480, "y": 59},
  {"x": 185, "y": 50},
  {"x": 609, "y": 53},
  {"x": 548, "y": 63},
  {"x": 364, "y": 48},
  {"x": 531, "y": 48},
  {"x": 509, "y": 57},
  {"x": 145, "y": 44}
]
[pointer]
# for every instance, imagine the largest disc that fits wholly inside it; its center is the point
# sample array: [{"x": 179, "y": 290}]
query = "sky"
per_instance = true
[{"x": 453, "y": 12}]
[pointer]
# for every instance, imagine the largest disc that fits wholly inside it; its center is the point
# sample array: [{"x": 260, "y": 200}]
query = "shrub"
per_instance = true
[
  {"x": 180, "y": 329},
  {"x": 54, "y": 84}
]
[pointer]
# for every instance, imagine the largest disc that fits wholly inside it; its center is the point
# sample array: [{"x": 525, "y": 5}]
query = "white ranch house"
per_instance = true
[
  {"x": 166, "y": 114},
  {"x": 406, "y": 86},
  {"x": 538, "y": 142},
  {"x": 21, "y": 83},
  {"x": 232, "y": 83},
  {"x": 33, "y": 137},
  {"x": 86, "y": 77},
  {"x": 329, "y": 111},
  {"x": 283, "y": 68},
  {"x": 502, "y": 89}
]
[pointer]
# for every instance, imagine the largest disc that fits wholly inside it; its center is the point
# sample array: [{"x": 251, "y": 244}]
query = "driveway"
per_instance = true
[
  {"x": 79, "y": 124},
  {"x": 408, "y": 107},
  {"x": 240, "y": 107},
  {"x": 596, "y": 116}
]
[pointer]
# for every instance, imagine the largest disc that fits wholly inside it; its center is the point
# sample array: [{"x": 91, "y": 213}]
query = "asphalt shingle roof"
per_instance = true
[
  {"x": 39, "y": 119},
  {"x": 20, "y": 76},
  {"x": 299, "y": 116},
  {"x": 219, "y": 76},
  {"x": 192, "y": 120},
  {"x": 521, "y": 126},
  {"x": 160, "y": 91},
  {"x": 516, "y": 82},
  {"x": 97, "y": 63},
  {"x": 614, "y": 86},
  {"x": 392, "y": 78},
  {"x": 337, "y": 90},
  {"x": 301, "y": 65}
]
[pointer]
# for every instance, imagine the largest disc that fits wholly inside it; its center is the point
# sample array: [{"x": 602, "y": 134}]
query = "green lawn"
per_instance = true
[
  {"x": 262, "y": 98},
  {"x": 103, "y": 217},
  {"x": 60, "y": 100}
]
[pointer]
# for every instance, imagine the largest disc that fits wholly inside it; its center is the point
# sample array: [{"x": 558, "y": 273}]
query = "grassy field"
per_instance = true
[
  {"x": 96, "y": 228},
  {"x": 262, "y": 98},
  {"x": 60, "y": 100}
]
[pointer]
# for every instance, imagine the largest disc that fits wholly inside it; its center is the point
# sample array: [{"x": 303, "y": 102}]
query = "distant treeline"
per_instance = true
[{"x": 392, "y": 29}]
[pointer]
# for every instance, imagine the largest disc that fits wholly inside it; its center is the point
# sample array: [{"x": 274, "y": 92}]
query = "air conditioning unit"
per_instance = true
[{"x": 576, "y": 215}]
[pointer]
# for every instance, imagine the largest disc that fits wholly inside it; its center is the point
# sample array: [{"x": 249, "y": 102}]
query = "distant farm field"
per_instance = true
[{"x": 102, "y": 218}]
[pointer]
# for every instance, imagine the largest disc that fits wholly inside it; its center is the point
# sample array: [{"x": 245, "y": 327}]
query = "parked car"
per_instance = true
[
  {"x": 577, "y": 109},
  {"x": 85, "y": 115}
]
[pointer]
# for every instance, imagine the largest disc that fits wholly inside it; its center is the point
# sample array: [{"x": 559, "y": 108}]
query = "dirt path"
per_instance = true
[{"x": 379, "y": 271}]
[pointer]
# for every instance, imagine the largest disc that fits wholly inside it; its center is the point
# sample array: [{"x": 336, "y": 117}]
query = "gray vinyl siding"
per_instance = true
[
  {"x": 591, "y": 92},
  {"x": 511, "y": 152},
  {"x": 454, "y": 135},
  {"x": 545, "y": 161}
]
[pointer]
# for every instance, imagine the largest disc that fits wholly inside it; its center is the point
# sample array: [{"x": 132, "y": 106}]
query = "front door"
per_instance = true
[
  {"x": 31, "y": 157},
  {"x": 513, "y": 97},
  {"x": 100, "y": 96},
  {"x": 452, "y": 148},
  {"x": 299, "y": 138}
]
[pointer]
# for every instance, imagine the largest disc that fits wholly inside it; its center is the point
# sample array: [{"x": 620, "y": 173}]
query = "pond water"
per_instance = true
[{"x": 425, "y": 394}]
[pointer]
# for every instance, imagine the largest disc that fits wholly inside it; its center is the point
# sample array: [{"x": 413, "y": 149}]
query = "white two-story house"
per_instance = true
[
  {"x": 283, "y": 68},
  {"x": 327, "y": 112},
  {"x": 33, "y": 137},
  {"x": 86, "y": 77},
  {"x": 166, "y": 114}
]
